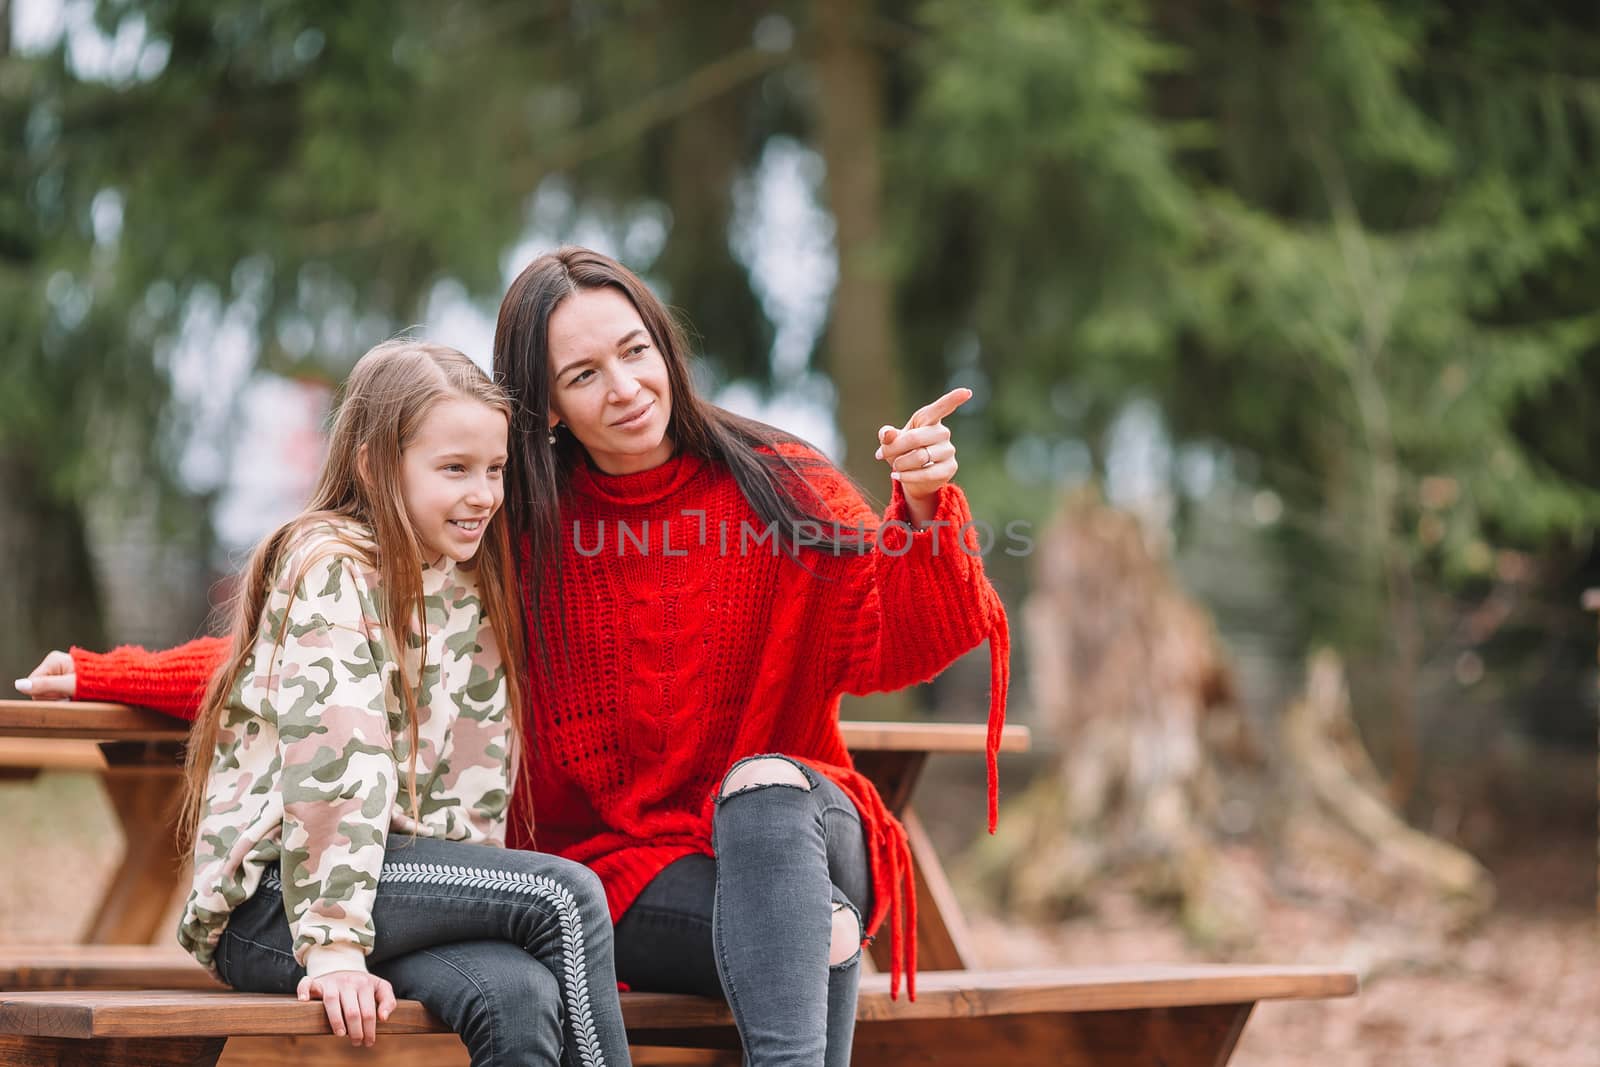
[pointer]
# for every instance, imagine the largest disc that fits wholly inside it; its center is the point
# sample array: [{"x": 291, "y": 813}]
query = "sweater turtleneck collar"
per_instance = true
[{"x": 640, "y": 487}]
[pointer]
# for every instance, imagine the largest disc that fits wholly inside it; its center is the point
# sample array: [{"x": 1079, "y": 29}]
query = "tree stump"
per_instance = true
[{"x": 1133, "y": 688}]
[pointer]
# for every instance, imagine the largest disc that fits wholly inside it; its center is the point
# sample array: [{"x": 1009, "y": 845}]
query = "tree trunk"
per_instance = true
[
  {"x": 703, "y": 158},
  {"x": 861, "y": 336},
  {"x": 1591, "y": 602},
  {"x": 50, "y": 598},
  {"x": 861, "y": 349}
]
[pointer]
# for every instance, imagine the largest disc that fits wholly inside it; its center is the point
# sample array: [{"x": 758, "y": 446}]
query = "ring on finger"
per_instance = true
[{"x": 928, "y": 458}]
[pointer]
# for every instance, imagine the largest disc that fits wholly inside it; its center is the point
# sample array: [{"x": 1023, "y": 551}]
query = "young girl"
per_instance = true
[{"x": 348, "y": 773}]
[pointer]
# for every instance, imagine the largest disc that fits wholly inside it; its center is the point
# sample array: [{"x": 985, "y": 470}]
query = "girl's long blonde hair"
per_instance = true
[{"x": 384, "y": 401}]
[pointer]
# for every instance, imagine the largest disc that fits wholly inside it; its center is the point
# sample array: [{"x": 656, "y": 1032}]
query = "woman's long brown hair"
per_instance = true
[
  {"x": 384, "y": 401},
  {"x": 770, "y": 477}
]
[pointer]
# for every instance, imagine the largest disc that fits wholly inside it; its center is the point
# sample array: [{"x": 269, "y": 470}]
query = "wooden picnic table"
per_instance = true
[
  {"x": 125, "y": 1000},
  {"x": 138, "y": 753}
]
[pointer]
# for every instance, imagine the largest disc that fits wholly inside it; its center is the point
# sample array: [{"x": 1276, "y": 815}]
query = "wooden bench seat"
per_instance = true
[{"x": 1173, "y": 1015}]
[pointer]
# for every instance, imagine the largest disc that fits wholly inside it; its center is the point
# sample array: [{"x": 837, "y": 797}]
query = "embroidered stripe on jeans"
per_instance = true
[{"x": 574, "y": 952}]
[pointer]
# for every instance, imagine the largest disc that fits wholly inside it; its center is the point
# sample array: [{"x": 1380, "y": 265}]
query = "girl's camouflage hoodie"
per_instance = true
[{"x": 312, "y": 759}]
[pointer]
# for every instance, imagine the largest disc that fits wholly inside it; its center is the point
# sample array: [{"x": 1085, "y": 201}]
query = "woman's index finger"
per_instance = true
[{"x": 941, "y": 408}]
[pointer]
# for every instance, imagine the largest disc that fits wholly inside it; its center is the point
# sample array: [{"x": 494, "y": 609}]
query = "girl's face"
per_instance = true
[
  {"x": 451, "y": 476},
  {"x": 609, "y": 382}
]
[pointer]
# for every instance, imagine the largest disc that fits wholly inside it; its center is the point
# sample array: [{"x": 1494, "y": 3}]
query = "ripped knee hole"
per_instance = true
[
  {"x": 845, "y": 943},
  {"x": 762, "y": 771}
]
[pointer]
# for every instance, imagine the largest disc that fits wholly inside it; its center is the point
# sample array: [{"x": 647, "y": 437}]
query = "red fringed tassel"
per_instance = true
[
  {"x": 999, "y": 686},
  {"x": 910, "y": 916},
  {"x": 897, "y": 940}
]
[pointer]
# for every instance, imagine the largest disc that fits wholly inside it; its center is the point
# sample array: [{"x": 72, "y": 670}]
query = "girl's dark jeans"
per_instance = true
[{"x": 511, "y": 949}]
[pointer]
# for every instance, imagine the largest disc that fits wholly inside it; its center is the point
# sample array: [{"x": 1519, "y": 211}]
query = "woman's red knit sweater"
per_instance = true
[{"x": 682, "y": 637}]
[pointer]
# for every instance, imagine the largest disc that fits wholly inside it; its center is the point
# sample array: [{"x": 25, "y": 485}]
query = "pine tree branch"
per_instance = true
[{"x": 662, "y": 106}]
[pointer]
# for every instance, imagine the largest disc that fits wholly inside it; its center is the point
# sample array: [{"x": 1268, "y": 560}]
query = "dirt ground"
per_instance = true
[{"x": 1522, "y": 990}]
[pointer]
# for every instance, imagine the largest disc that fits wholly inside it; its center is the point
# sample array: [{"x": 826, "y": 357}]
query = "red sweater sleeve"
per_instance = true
[
  {"x": 923, "y": 598},
  {"x": 916, "y": 602},
  {"x": 173, "y": 681}
]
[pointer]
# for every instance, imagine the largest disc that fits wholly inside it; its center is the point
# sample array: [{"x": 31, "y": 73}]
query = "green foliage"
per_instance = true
[
  {"x": 1321, "y": 234},
  {"x": 1349, "y": 245}
]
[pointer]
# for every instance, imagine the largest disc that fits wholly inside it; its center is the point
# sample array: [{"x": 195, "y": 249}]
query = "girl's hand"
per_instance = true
[
  {"x": 920, "y": 456},
  {"x": 54, "y": 679},
  {"x": 354, "y": 1000}
]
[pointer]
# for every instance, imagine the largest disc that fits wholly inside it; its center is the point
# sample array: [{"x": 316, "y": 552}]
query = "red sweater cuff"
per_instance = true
[
  {"x": 940, "y": 564},
  {"x": 173, "y": 682}
]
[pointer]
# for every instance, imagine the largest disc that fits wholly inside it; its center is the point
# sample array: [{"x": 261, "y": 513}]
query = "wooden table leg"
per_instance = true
[
  {"x": 1173, "y": 1037},
  {"x": 895, "y": 773},
  {"x": 943, "y": 943},
  {"x": 137, "y": 901}
]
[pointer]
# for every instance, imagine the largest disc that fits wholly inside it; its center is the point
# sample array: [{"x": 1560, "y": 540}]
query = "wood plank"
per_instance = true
[
  {"x": 53, "y": 754},
  {"x": 655, "y": 1056},
  {"x": 125, "y": 757},
  {"x": 862, "y": 736},
  {"x": 939, "y": 992},
  {"x": 722, "y": 1038},
  {"x": 943, "y": 941},
  {"x": 414, "y": 1050},
  {"x": 1171, "y": 1037},
  {"x": 894, "y": 773},
  {"x": 146, "y": 1013},
  {"x": 1183, "y": 1037},
  {"x": 118, "y": 722},
  {"x": 22, "y": 757},
  {"x": 43, "y": 967},
  {"x": 963, "y": 994},
  {"x": 114, "y": 1052},
  {"x": 424, "y": 1050},
  {"x": 941, "y": 995},
  {"x": 137, "y": 901},
  {"x": 87, "y": 719}
]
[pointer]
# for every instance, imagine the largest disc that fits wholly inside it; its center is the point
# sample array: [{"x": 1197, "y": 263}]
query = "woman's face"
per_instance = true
[{"x": 609, "y": 381}]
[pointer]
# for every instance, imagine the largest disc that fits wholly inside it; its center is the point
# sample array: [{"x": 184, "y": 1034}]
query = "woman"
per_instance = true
[{"x": 700, "y": 590}]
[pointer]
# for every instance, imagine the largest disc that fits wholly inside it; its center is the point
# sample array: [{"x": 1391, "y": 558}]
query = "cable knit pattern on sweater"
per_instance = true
[{"x": 681, "y": 642}]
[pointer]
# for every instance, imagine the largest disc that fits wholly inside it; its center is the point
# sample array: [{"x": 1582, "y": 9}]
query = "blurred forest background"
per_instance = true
[{"x": 1282, "y": 320}]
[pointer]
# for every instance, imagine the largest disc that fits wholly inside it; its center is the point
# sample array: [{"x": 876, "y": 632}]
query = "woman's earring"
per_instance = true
[{"x": 551, "y": 436}]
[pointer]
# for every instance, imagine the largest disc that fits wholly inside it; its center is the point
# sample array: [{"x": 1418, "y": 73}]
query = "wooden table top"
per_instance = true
[
  {"x": 84, "y": 720},
  {"x": 940, "y": 994}
]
